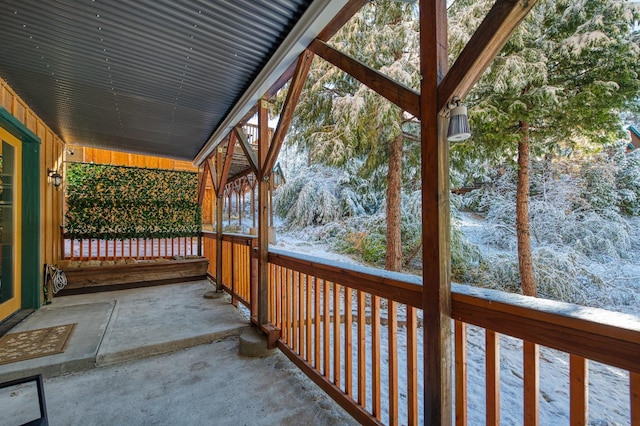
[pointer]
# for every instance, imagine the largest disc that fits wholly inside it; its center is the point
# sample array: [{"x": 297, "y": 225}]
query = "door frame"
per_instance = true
[{"x": 29, "y": 272}]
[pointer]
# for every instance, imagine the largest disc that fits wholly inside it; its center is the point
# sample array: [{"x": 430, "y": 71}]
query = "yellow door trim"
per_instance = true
[{"x": 13, "y": 305}]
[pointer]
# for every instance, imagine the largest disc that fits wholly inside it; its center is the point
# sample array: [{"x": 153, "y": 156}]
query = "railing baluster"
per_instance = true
[
  {"x": 461, "y": 372},
  {"x": 273, "y": 318},
  {"x": 295, "y": 344},
  {"x": 492, "y": 343},
  {"x": 326, "y": 330},
  {"x": 634, "y": 390},
  {"x": 291, "y": 335},
  {"x": 579, "y": 390},
  {"x": 277, "y": 284},
  {"x": 412, "y": 366},
  {"x": 348, "y": 342},
  {"x": 393, "y": 361},
  {"x": 246, "y": 265},
  {"x": 375, "y": 355},
  {"x": 300, "y": 315},
  {"x": 234, "y": 266},
  {"x": 309, "y": 339},
  {"x": 316, "y": 323},
  {"x": 285, "y": 305},
  {"x": 531, "y": 384},
  {"x": 362, "y": 346},
  {"x": 336, "y": 336}
]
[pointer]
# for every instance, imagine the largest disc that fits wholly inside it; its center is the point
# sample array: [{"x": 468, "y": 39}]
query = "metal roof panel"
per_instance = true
[{"x": 150, "y": 76}]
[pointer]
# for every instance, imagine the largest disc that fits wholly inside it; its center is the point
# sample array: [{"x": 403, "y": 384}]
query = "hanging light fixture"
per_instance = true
[
  {"x": 459, "y": 129},
  {"x": 56, "y": 178}
]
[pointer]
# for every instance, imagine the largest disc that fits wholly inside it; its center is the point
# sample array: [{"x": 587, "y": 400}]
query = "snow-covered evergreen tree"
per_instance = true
[
  {"x": 562, "y": 80},
  {"x": 338, "y": 120}
]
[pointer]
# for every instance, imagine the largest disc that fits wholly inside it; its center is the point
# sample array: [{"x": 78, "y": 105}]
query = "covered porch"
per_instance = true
[
  {"x": 161, "y": 355},
  {"x": 389, "y": 348}
]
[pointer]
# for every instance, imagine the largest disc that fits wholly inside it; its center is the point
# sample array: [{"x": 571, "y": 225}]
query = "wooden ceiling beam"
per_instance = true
[
  {"x": 246, "y": 148},
  {"x": 482, "y": 48},
  {"x": 286, "y": 115},
  {"x": 401, "y": 95}
]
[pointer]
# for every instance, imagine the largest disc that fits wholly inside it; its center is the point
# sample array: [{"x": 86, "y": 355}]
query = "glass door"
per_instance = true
[{"x": 10, "y": 224}]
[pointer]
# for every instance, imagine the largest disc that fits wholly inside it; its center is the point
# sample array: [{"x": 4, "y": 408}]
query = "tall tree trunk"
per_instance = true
[
  {"x": 393, "y": 257},
  {"x": 525, "y": 265}
]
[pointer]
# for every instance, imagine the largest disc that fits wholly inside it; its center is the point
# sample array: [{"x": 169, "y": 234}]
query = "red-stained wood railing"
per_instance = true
[{"x": 129, "y": 248}]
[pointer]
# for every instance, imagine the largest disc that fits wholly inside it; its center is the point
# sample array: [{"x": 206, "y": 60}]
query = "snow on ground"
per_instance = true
[
  {"x": 295, "y": 244},
  {"x": 609, "y": 387},
  {"x": 620, "y": 287}
]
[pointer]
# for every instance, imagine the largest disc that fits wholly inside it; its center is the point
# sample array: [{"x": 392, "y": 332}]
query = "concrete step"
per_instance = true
[{"x": 125, "y": 325}]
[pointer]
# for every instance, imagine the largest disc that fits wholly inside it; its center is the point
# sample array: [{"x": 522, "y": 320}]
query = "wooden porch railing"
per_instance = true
[
  {"x": 345, "y": 326},
  {"x": 236, "y": 263},
  {"x": 129, "y": 248},
  {"x": 209, "y": 251}
]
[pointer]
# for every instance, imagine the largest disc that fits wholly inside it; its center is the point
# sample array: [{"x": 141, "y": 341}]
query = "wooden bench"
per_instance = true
[{"x": 93, "y": 276}]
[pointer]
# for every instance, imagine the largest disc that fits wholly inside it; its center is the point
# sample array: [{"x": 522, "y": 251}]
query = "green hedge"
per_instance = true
[{"x": 118, "y": 202}]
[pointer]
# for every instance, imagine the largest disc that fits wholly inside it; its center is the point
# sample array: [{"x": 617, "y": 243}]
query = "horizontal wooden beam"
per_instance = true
[
  {"x": 381, "y": 284},
  {"x": 399, "y": 94},
  {"x": 482, "y": 48},
  {"x": 606, "y": 337}
]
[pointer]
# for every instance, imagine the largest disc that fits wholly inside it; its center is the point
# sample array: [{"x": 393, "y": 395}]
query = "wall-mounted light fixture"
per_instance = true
[
  {"x": 55, "y": 177},
  {"x": 459, "y": 129}
]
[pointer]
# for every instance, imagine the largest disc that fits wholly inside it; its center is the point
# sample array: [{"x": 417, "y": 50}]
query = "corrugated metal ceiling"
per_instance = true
[{"x": 145, "y": 76}]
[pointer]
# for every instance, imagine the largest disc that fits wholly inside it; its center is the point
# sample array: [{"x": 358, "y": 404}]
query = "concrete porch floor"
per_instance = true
[{"x": 162, "y": 355}]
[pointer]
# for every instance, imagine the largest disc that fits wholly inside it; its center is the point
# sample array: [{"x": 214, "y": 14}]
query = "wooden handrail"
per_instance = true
[
  {"x": 398, "y": 287},
  {"x": 597, "y": 334},
  {"x": 234, "y": 238}
]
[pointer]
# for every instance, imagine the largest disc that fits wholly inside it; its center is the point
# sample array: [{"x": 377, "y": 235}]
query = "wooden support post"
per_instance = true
[
  {"x": 253, "y": 282},
  {"x": 436, "y": 300},
  {"x": 263, "y": 215},
  {"x": 219, "y": 212}
]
